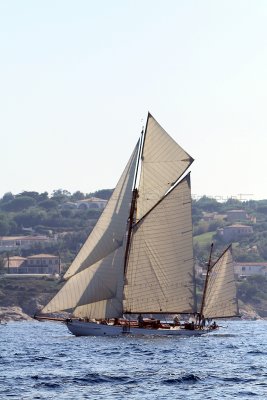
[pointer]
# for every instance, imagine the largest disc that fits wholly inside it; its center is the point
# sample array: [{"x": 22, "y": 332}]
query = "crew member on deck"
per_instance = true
[
  {"x": 176, "y": 320},
  {"x": 214, "y": 325},
  {"x": 140, "y": 321}
]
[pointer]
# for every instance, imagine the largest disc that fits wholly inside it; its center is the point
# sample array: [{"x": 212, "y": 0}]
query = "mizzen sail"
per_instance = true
[{"x": 220, "y": 299}]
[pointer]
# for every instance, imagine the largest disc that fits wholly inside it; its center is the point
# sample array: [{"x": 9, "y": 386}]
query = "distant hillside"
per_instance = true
[
  {"x": 42, "y": 214},
  {"x": 211, "y": 217},
  {"x": 38, "y": 213}
]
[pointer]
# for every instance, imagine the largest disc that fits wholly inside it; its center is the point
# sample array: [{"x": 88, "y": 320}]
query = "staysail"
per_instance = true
[
  {"x": 110, "y": 229},
  {"x": 163, "y": 163},
  {"x": 220, "y": 299},
  {"x": 92, "y": 288},
  {"x": 160, "y": 276}
]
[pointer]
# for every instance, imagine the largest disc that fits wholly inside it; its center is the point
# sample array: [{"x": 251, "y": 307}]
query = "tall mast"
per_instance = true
[
  {"x": 195, "y": 288},
  {"x": 134, "y": 197},
  {"x": 206, "y": 282}
]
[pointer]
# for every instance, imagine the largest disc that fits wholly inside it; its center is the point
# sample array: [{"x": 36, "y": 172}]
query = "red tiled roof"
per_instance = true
[{"x": 14, "y": 262}]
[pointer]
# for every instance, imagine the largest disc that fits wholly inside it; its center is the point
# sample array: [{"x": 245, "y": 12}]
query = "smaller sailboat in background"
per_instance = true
[
  {"x": 138, "y": 260},
  {"x": 219, "y": 299}
]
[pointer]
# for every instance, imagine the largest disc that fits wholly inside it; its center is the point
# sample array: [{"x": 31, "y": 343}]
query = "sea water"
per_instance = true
[{"x": 44, "y": 361}]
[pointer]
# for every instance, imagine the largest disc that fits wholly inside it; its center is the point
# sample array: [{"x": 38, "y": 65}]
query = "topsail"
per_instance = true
[{"x": 163, "y": 163}]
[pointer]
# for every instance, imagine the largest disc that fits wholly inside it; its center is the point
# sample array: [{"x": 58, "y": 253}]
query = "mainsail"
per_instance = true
[
  {"x": 160, "y": 271},
  {"x": 220, "y": 298}
]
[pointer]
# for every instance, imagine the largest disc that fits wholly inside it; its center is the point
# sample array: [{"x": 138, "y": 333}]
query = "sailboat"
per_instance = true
[{"x": 138, "y": 260}]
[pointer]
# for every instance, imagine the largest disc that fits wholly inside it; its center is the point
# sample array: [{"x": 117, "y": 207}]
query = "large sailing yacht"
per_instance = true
[{"x": 138, "y": 260}]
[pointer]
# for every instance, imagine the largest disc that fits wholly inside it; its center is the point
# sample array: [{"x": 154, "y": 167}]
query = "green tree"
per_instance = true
[
  {"x": 48, "y": 204},
  {"x": 77, "y": 196},
  {"x": 34, "y": 195},
  {"x": 30, "y": 218},
  {"x": 2, "y": 265},
  {"x": 61, "y": 195},
  {"x": 7, "y": 225},
  {"x": 4, "y": 225},
  {"x": 19, "y": 204},
  {"x": 208, "y": 204},
  {"x": 101, "y": 194},
  {"x": 43, "y": 196},
  {"x": 253, "y": 289},
  {"x": 7, "y": 197},
  {"x": 233, "y": 204},
  {"x": 196, "y": 212}
]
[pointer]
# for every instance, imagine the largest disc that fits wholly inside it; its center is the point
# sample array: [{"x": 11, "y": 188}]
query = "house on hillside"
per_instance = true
[
  {"x": 92, "y": 203},
  {"x": 23, "y": 242},
  {"x": 47, "y": 264},
  {"x": 242, "y": 270},
  {"x": 236, "y": 215},
  {"x": 209, "y": 217},
  {"x": 212, "y": 216},
  {"x": 14, "y": 264},
  {"x": 234, "y": 232}
]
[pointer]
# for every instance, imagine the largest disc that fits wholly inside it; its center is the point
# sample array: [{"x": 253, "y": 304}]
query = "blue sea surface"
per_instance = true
[{"x": 44, "y": 361}]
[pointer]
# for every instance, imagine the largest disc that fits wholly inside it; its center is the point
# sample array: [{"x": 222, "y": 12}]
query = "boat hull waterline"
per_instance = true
[{"x": 81, "y": 328}]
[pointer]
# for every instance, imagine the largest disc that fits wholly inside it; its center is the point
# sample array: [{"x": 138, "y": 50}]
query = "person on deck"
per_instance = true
[
  {"x": 214, "y": 325},
  {"x": 140, "y": 321},
  {"x": 176, "y": 320}
]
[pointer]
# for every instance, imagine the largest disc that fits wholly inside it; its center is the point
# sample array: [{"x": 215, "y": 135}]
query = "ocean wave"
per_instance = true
[{"x": 187, "y": 378}]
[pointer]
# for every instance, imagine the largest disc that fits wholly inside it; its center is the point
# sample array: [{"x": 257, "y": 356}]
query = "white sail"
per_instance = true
[
  {"x": 220, "y": 299},
  {"x": 101, "y": 281},
  {"x": 111, "y": 308},
  {"x": 139, "y": 256},
  {"x": 110, "y": 229},
  {"x": 160, "y": 270},
  {"x": 163, "y": 162}
]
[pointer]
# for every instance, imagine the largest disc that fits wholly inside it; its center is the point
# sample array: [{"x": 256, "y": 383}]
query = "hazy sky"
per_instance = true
[{"x": 78, "y": 77}]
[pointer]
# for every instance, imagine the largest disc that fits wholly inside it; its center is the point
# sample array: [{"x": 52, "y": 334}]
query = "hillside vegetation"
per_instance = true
[
  {"x": 34, "y": 213},
  {"x": 39, "y": 213}
]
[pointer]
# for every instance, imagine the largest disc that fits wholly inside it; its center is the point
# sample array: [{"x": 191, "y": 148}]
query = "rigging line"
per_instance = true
[
  {"x": 141, "y": 150},
  {"x": 227, "y": 248},
  {"x": 133, "y": 202},
  {"x": 206, "y": 282}
]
